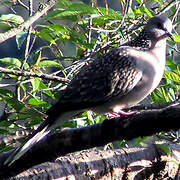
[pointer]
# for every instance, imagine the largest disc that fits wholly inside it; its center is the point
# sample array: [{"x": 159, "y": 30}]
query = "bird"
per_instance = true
[{"x": 118, "y": 79}]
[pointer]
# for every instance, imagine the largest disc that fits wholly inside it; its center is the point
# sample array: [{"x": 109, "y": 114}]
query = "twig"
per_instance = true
[
  {"x": 28, "y": 23},
  {"x": 23, "y": 5},
  {"x": 127, "y": 10},
  {"x": 27, "y": 49},
  {"x": 176, "y": 13},
  {"x": 32, "y": 74},
  {"x": 154, "y": 106},
  {"x": 175, "y": 49},
  {"x": 166, "y": 8}
]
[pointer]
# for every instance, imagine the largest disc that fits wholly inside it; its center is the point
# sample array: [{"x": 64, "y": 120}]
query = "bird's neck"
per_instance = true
[
  {"x": 160, "y": 43},
  {"x": 158, "y": 48},
  {"x": 143, "y": 41}
]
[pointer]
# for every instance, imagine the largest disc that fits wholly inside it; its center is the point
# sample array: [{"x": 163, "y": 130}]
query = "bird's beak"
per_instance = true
[{"x": 169, "y": 34}]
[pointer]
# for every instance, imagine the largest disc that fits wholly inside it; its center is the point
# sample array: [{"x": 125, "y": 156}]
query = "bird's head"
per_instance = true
[{"x": 159, "y": 27}]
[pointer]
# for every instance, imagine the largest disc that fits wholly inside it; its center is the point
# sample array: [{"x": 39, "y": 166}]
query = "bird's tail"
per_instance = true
[
  {"x": 52, "y": 122},
  {"x": 42, "y": 131}
]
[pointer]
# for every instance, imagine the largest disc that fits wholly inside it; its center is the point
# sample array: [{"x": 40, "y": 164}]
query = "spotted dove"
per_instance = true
[{"x": 118, "y": 79}]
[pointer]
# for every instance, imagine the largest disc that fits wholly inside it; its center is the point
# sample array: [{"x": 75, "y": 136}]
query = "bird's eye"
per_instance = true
[{"x": 159, "y": 25}]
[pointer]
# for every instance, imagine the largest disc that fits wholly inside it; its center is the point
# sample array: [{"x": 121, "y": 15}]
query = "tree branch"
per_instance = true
[
  {"x": 70, "y": 140},
  {"x": 127, "y": 163},
  {"x": 28, "y": 23},
  {"x": 32, "y": 74}
]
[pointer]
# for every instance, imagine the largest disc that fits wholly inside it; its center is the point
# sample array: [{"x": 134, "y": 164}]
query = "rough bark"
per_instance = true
[
  {"x": 122, "y": 164},
  {"x": 70, "y": 140}
]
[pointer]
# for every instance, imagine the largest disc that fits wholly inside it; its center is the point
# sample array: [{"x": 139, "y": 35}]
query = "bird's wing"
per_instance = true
[{"x": 111, "y": 75}]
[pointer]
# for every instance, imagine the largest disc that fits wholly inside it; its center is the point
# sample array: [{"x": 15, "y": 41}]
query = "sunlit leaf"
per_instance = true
[
  {"x": 165, "y": 148},
  {"x": 72, "y": 11},
  {"x": 49, "y": 63},
  {"x": 172, "y": 76},
  {"x": 166, "y": 97},
  {"x": 47, "y": 92},
  {"x": 11, "y": 61},
  {"x": 143, "y": 10},
  {"x": 47, "y": 35},
  {"x": 139, "y": 140},
  {"x": 140, "y": 2},
  {"x": 35, "y": 84},
  {"x": 64, "y": 3},
  {"x": 172, "y": 65},
  {"x": 37, "y": 102},
  {"x": 157, "y": 96},
  {"x": 12, "y": 18},
  {"x": 177, "y": 38}
]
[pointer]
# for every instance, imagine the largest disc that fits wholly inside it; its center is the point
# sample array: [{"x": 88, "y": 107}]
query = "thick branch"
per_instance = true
[
  {"x": 127, "y": 163},
  {"x": 28, "y": 23},
  {"x": 32, "y": 74},
  {"x": 70, "y": 140}
]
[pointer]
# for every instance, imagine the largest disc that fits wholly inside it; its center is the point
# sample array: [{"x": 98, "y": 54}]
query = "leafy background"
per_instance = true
[{"x": 87, "y": 30}]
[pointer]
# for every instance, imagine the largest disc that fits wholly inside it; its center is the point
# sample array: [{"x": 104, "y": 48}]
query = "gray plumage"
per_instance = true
[{"x": 116, "y": 80}]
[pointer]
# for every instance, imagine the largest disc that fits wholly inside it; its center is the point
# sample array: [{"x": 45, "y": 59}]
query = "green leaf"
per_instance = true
[
  {"x": 157, "y": 96},
  {"x": 100, "y": 118},
  {"x": 37, "y": 102},
  {"x": 31, "y": 116},
  {"x": 165, "y": 148},
  {"x": 110, "y": 14},
  {"x": 59, "y": 28},
  {"x": 6, "y": 3},
  {"x": 49, "y": 63},
  {"x": 56, "y": 31},
  {"x": 5, "y": 123},
  {"x": 140, "y": 140},
  {"x": 35, "y": 84},
  {"x": 137, "y": 12},
  {"x": 160, "y": 2},
  {"x": 172, "y": 93},
  {"x": 60, "y": 14},
  {"x": 143, "y": 10},
  {"x": 34, "y": 120},
  {"x": 34, "y": 57},
  {"x": 47, "y": 92},
  {"x": 3, "y": 131},
  {"x": 20, "y": 37},
  {"x": 4, "y": 25},
  {"x": 12, "y": 18},
  {"x": 70, "y": 124},
  {"x": 140, "y": 2},
  {"x": 173, "y": 9},
  {"x": 177, "y": 37},
  {"x": 64, "y": 3},
  {"x": 103, "y": 18},
  {"x": 73, "y": 10},
  {"x": 46, "y": 34},
  {"x": 166, "y": 97},
  {"x": 10, "y": 99},
  {"x": 172, "y": 76},
  {"x": 80, "y": 8},
  {"x": 5, "y": 148},
  {"x": 171, "y": 65},
  {"x": 148, "y": 12},
  {"x": 11, "y": 61}
]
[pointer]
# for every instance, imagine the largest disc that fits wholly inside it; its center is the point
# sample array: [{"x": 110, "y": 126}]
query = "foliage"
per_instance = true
[{"x": 89, "y": 29}]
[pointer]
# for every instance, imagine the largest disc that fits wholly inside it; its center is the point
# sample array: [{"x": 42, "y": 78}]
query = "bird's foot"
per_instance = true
[{"x": 121, "y": 113}]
